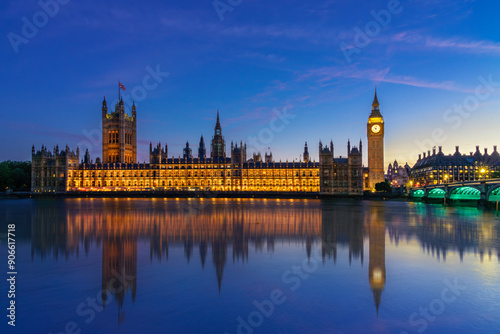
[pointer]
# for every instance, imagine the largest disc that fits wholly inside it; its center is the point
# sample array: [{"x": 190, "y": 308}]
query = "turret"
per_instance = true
[
  {"x": 86, "y": 158},
  {"x": 331, "y": 147},
  {"x": 268, "y": 157},
  {"x": 477, "y": 151},
  {"x": 495, "y": 151},
  {"x": 134, "y": 111},
  {"x": 202, "y": 152},
  {"x": 306, "y": 158},
  {"x": 188, "y": 152},
  {"x": 104, "y": 107}
]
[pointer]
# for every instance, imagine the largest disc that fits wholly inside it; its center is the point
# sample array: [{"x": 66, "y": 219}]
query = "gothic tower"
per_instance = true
[
  {"x": 119, "y": 134},
  {"x": 218, "y": 143},
  {"x": 375, "y": 132},
  {"x": 158, "y": 155}
]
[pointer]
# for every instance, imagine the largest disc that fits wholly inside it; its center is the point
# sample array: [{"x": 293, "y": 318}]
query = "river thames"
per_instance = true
[{"x": 251, "y": 266}]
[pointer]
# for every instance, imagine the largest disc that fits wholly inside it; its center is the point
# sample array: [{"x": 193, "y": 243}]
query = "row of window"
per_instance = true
[
  {"x": 193, "y": 174},
  {"x": 340, "y": 172},
  {"x": 114, "y": 137},
  {"x": 188, "y": 183}
]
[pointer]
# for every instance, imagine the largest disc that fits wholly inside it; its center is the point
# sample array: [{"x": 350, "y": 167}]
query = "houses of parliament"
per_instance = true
[{"x": 62, "y": 171}]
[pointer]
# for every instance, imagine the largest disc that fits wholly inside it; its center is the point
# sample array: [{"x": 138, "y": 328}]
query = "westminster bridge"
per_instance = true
[{"x": 483, "y": 193}]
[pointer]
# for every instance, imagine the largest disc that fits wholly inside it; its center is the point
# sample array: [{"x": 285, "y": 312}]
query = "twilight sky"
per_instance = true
[{"x": 434, "y": 63}]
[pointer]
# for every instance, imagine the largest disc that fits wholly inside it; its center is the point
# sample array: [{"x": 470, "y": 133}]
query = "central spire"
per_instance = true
[
  {"x": 375, "y": 100},
  {"x": 375, "y": 106},
  {"x": 217, "y": 125},
  {"x": 218, "y": 144}
]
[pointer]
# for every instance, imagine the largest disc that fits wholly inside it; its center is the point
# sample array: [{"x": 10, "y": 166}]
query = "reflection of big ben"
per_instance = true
[
  {"x": 376, "y": 267},
  {"x": 375, "y": 131}
]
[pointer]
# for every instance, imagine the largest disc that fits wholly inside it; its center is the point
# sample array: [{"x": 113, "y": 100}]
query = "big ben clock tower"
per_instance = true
[{"x": 375, "y": 132}]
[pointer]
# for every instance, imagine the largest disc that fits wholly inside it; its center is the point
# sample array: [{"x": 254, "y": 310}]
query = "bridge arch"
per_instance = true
[
  {"x": 418, "y": 193},
  {"x": 493, "y": 193},
  {"x": 437, "y": 193},
  {"x": 465, "y": 193}
]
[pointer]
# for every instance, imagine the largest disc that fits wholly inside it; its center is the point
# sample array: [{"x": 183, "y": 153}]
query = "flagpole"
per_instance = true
[{"x": 119, "y": 97}]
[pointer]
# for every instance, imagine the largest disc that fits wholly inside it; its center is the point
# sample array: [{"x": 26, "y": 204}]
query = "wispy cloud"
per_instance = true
[
  {"x": 306, "y": 32},
  {"x": 327, "y": 74},
  {"x": 455, "y": 44}
]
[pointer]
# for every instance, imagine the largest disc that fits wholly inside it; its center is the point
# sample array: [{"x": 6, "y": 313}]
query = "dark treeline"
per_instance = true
[{"x": 15, "y": 175}]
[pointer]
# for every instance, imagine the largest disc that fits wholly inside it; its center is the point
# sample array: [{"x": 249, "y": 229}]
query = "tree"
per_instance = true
[
  {"x": 383, "y": 187},
  {"x": 15, "y": 175}
]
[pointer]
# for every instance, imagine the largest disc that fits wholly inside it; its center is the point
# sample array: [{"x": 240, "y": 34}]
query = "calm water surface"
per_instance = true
[{"x": 251, "y": 266}]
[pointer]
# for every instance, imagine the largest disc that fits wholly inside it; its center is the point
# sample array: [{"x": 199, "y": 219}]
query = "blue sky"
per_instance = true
[{"x": 434, "y": 63}]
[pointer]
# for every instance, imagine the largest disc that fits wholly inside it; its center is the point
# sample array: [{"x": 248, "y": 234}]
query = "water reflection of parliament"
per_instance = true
[{"x": 63, "y": 231}]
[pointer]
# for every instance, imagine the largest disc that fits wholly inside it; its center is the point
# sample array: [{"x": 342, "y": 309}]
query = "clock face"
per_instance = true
[{"x": 376, "y": 128}]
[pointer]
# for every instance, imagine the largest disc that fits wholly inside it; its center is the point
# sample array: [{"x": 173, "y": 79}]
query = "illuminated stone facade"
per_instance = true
[
  {"x": 53, "y": 171},
  {"x": 119, "y": 134},
  {"x": 119, "y": 171},
  {"x": 398, "y": 176},
  {"x": 438, "y": 168},
  {"x": 342, "y": 175}
]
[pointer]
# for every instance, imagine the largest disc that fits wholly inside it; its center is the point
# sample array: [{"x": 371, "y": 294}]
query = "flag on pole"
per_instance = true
[{"x": 121, "y": 85}]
